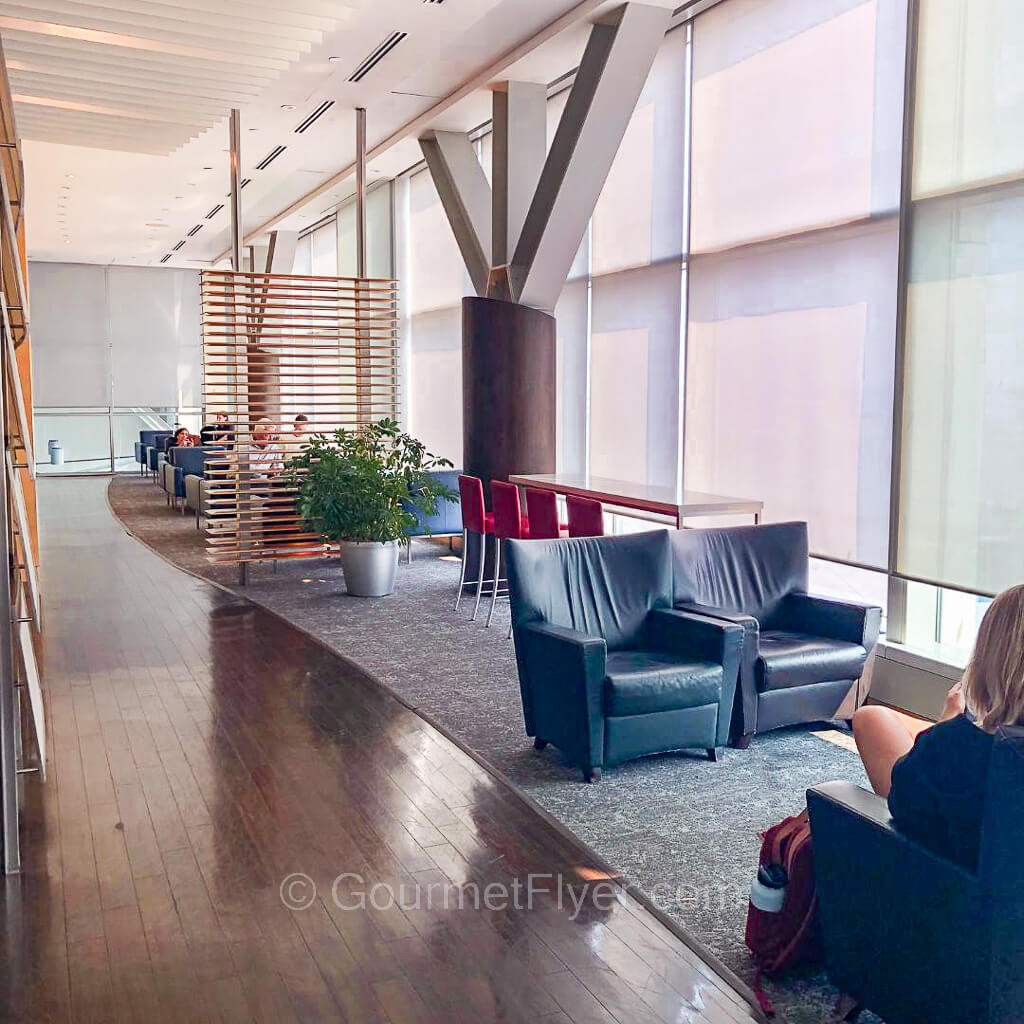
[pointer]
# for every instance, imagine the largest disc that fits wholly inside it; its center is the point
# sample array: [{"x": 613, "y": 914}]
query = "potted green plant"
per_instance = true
[{"x": 363, "y": 489}]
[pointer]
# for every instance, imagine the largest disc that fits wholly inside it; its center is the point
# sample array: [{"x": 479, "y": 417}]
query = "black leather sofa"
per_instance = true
[
  {"x": 801, "y": 654},
  {"x": 912, "y": 936}
]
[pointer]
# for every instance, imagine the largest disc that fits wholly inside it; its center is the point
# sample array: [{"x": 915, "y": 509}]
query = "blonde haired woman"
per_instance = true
[{"x": 935, "y": 776}]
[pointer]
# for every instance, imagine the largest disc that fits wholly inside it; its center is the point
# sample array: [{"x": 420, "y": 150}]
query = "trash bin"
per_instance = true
[{"x": 56, "y": 455}]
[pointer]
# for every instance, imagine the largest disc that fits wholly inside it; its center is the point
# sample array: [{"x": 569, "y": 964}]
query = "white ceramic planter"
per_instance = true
[{"x": 369, "y": 566}]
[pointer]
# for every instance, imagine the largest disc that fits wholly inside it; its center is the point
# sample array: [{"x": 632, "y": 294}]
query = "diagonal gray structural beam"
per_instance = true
[
  {"x": 519, "y": 148},
  {"x": 466, "y": 197},
  {"x": 281, "y": 252},
  {"x": 611, "y": 76}
]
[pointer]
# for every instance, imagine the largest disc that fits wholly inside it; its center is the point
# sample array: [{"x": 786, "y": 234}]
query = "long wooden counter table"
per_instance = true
[{"x": 641, "y": 501}]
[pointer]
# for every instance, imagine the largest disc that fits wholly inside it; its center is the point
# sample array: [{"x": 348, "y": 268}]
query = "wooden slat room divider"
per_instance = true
[{"x": 276, "y": 346}]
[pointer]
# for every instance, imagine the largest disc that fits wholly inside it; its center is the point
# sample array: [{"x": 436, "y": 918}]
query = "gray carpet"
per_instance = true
[{"x": 683, "y": 829}]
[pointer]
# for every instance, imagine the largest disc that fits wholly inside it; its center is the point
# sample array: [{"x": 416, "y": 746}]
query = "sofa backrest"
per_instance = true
[
  {"x": 448, "y": 517},
  {"x": 601, "y": 586},
  {"x": 1001, "y": 867},
  {"x": 748, "y": 569},
  {"x": 189, "y": 460},
  {"x": 149, "y": 437}
]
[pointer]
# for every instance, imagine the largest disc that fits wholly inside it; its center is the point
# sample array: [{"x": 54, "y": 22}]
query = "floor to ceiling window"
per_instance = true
[
  {"x": 732, "y": 320},
  {"x": 434, "y": 282},
  {"x": 115, "y": 351},
  {"x": 797, "y": 128},
  {"x": 962, "y": 470},
  {"x": 636, "y": 267}
]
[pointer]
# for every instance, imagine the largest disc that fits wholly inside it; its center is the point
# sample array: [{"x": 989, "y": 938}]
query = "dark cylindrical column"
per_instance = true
[{"x": 508, "y": 389}]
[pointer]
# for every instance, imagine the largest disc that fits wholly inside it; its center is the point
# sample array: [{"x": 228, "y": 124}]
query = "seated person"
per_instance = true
[
  {"x": 300, "y": 427},
  {"x": 183, "y": 439},
  {"x": 219, "y": 431},
  {"x": 935, "y": 776},
  {"x": 266, "y": 460}
]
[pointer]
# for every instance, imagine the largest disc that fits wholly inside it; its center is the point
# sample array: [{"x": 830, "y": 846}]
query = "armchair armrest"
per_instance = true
[
  {"x": 561, "y": 678},
  {"x": 698, "y": 636},
  {"x": 838, "y": 620},
  {"x": 674, "y": 631},
  {"x": 744, "y": 709}
]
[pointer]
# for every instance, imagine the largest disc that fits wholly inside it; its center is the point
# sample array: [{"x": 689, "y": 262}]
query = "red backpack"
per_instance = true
[{"x": 784, "y": 938}]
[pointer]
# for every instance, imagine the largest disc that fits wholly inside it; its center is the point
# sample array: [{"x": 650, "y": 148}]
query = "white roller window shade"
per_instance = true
[
  {"x": 378, "y": 234},
  {"x": 155, "y": 336},
  {"x": 635, "y": 374},
  {"x": 571, "y": 386},
  {"x": 970, "y": 94},
  {"x": 796, "y": 116},
  {"x": 435, "y": 382},
  {"x": 436, "y": 281},
  {"x": 789, "y": 384},
  {"x": 638, "y": 218},
  {"x": 797, "y": 128},
  {"x": 323, "y": 248},
  {"x": 70, "y": 337},
  {"x": 962, "y": 473}
]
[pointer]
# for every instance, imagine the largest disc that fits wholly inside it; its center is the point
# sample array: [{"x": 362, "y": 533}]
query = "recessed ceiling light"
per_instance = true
[
  {"x": 179, "y": 197},
  {"x": 67, "y": 241},
  {"x": 335, "y": 60},
  {"x": 207, "y": 168},
  {"x": 287, "y": 106},
  {"x": 68, "y": 175}
]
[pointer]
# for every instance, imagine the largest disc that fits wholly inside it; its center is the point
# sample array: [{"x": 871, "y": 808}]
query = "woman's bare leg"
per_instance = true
[{"x": 883, "y": 736}]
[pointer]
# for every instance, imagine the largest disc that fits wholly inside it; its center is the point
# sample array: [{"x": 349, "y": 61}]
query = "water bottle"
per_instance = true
[{"x": 768, "y": 893}]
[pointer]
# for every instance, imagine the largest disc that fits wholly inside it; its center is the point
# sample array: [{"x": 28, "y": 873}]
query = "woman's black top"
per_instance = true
[{"x": 938, "y": 789}]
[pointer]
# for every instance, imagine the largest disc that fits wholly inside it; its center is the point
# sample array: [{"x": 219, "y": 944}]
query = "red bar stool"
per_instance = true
[
  {"x": 542, "y": 512},
  {"x": 586, "y": 516},
  {"x": 509, "y": 524},
  {"x": 475, "y": 519}
]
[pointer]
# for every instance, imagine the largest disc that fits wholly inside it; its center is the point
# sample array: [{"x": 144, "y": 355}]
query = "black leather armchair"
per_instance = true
[
  {"x": 911, "y": 935},
  {"x": 608, "y": 671},
  {"x": 801, "y": 654}
]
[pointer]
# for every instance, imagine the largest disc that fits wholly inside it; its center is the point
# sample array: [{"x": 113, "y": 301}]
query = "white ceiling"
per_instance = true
[
  {"x": 122, "y": 106},
  {"x": 146, "y": 77}
]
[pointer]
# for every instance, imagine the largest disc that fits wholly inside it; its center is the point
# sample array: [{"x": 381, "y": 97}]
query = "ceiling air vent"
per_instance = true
[
  {"x": 377, "y": 56},
  {"x": 315, "y": 116},
  {"x": 195, "y": 230},
  {"x": 164, "y": 259},
  {"x": 244, "y": 182},
  {"x": 437, "y": 3},
  {"x": 213, "y": 213},
  {"x": 270, "y": 158},
  {"x": 179, "y": 245}
]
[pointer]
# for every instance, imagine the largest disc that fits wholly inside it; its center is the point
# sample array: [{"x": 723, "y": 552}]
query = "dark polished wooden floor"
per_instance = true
[{"x": 201, "y": 751}]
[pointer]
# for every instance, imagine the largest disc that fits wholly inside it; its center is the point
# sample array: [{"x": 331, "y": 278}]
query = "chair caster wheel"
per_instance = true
[
  {"x": 591, "y": 774},
  {"x": 741, "y": 742},
  {"x": 539, "y": 744},
  {"x": 713, "y": 754}
]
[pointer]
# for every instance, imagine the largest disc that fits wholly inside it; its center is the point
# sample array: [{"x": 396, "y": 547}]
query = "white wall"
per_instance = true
[{"x": 120, "y": 336}]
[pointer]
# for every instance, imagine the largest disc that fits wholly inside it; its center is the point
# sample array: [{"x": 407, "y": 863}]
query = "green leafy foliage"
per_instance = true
[{"x": 364, "y": 485}]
